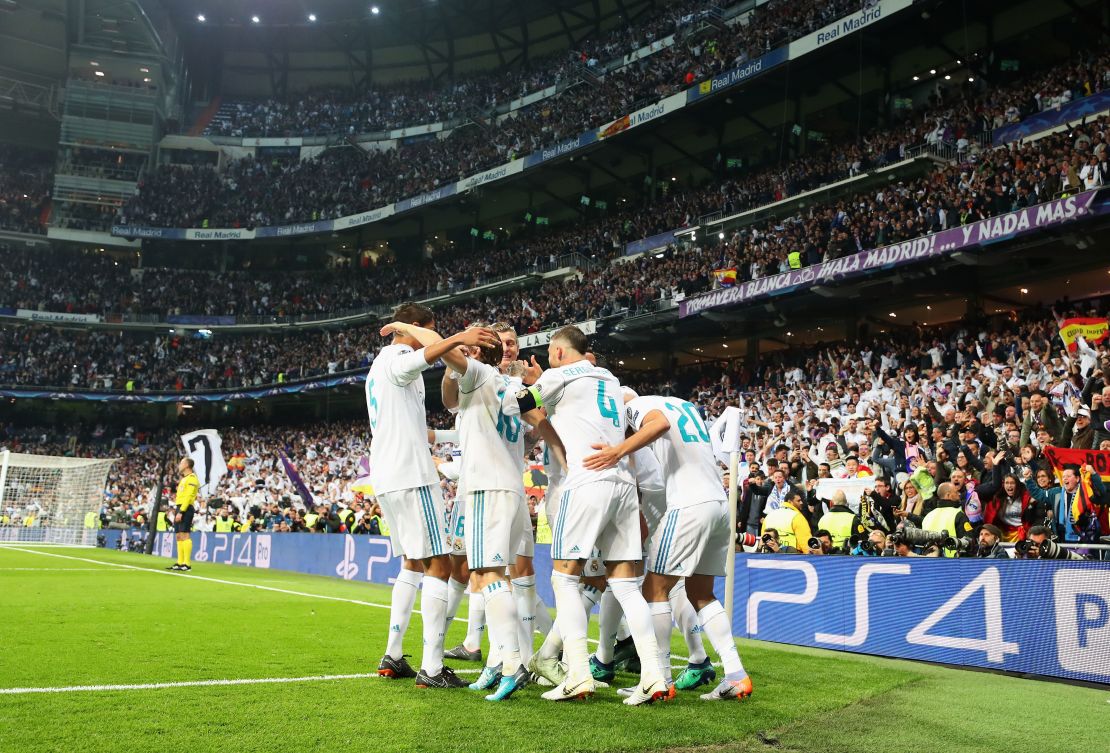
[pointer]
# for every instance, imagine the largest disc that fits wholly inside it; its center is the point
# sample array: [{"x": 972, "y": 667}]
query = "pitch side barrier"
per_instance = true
[
  {"x": 722, "y": 82},
  {"x": 1040, "y": 617}
]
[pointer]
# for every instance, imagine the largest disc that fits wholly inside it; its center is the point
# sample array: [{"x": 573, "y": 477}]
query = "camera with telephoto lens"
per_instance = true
[
  {"x": 746, "y": 539},
  {"x": 863, "y": 543},
  {"x": 1050, "y": 550},
  {"x": 913, "y": 536},
  {"x": 766, "y": 538},
  {"x": 1025, "y": 546},
  {"x": 814, "y": 542},
  {"x": 958, "y": 545}
]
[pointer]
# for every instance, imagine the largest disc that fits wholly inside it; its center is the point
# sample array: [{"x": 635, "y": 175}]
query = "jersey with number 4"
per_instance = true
[
  {"x": 583, "y": 402},
  {"x": 492, "y": 443},
  {"x": 684, "y": 452}
]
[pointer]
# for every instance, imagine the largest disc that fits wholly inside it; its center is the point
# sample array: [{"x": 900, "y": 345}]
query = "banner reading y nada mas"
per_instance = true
[{"x": 980, "y": 233}]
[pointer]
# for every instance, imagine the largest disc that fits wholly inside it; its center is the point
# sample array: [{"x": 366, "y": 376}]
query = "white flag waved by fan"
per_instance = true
[{"x": 204, "y": 447}]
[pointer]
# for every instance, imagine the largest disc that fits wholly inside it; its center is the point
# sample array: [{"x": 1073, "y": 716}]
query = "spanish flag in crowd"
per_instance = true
[
  {"x": 1061, "y": 457},
  {"x": 1093, "y": 330},
  {"x": 725, "y": 277}
]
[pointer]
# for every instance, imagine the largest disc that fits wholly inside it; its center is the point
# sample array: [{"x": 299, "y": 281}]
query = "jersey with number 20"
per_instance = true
[
  {"x": 685, "y": 451},
  {"x": 584, "y": 404}
]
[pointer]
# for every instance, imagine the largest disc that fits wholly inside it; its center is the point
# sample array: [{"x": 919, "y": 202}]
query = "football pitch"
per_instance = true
[{"x": 106, "y": 651}]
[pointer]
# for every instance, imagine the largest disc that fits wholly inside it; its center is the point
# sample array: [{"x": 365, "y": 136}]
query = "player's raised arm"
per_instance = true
[
  {"x": 653, "y": 426},
  {"x": 435, "y": 346}
]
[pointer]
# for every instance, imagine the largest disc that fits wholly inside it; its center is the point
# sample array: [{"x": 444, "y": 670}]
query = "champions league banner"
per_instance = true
[{"x": 1037, "y": 617}]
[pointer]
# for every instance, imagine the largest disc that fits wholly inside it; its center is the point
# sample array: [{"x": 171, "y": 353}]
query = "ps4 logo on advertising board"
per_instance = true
[{"x": 1039, "y": 618}]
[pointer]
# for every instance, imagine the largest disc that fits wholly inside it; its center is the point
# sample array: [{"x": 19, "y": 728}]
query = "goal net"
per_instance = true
[{"x": 47, "y": 499}]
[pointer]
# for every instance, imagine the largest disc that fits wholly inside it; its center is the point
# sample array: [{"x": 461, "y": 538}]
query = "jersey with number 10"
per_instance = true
[
  {"x": 492, "y": 443},
  {"x": 584, "y": 404},
  {"x": 685, "y": 452}
]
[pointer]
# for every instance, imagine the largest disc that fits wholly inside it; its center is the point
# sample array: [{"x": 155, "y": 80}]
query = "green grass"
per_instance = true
[{"x": 111, "y": 625}]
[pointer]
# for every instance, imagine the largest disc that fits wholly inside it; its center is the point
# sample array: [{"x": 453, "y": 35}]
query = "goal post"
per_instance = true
[{"x": 47, "y": 498}]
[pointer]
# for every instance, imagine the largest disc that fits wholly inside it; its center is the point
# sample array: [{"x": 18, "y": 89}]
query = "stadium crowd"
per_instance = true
[
  {"x": 960, "y": 415},
  {"x": 367, "y": 110},
  {"x": 980, "y": 185},
  {"x": 347, "y": 180},
  {"x": 26, "y": 180}
]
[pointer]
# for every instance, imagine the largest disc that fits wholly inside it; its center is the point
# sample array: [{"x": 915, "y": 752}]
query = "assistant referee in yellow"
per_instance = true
[{"x": 187, "y": 489}]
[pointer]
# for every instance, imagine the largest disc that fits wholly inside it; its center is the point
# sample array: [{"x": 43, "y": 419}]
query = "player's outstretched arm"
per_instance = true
[
  {"x": 436, "y": 346},
  {"x": 538, "y": 419},
  {"x": 654, "y": 425}
]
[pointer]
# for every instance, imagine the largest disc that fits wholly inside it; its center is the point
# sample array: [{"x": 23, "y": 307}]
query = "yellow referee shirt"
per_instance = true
[{"x": 187, "y": 489}]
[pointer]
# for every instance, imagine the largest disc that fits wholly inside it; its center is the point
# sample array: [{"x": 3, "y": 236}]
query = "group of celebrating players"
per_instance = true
[{"x": 617, "y": 464}]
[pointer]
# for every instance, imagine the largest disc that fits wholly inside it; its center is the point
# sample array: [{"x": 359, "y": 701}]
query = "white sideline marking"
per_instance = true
[
  {"x": 191, "y": 684},
  {"x": 244, "y": 585},
  {"x": 58, "y": 569}
]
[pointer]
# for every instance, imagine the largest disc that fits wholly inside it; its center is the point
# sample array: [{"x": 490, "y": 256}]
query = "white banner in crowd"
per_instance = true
[
  {"x": 536, "y": 339},
  {"x": 853, "y": 489},
  {"x": 204, "y": 447}
]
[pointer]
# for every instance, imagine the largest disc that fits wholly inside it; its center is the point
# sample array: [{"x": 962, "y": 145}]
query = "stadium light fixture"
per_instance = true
[
  {"x": 312, "y": 18},
  {"x": 916, "y": 78},
  {"x": 947, "y": 77},
  {"x": 93, "y": 63},
  {"x": 721, "y": 236},
  {"x": 256, "y": 20},
  {"x": 375, "y": 10},
  {"x": 971, "y": 79},
  {"x": 201, "y": 18},
  {"x": 100, "y": 73},
  {"x": 144, "y": 69},
  {"x": 893, "y": 315},
  {"x": 1025, "y": 291},
  {"x": 932, "y": 71}
]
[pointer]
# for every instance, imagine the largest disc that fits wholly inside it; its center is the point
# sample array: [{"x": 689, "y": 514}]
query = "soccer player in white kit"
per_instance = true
[
  {"x": 692, "y": 540},
  {"x": 406, "y": 484},
  {"x": 496, "y": 514},
  {"x": 597, "y": 509}
]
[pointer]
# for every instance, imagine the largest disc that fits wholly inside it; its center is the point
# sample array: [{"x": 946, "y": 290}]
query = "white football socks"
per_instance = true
[
  {"x": 476, "y": 621},
  {"x": 661, "y": 621},
  {"x": 544, "y": 620},
  {"x": 640, "y": 623},
  {"x": 572, "y": 621},
  {"x": 687, "y": 620},
  {"x": 400, "y": 610},
  {"x": 524, "y": 593},
  {"x": 716, "y": 625},
  {"x": 608, "y": 623},
  {"x": 433, "y": 606},
  {"x": 503, "y": 626},
  {"x": 455, "y": 591}
]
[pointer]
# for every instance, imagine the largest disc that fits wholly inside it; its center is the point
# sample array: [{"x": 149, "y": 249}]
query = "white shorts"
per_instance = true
[
  {"x": 654, "y": 504},
  {"x": 416, "y": 519},
  {"x": 594, "y": 568},
  {"x": 495, "y": 522},
  {"x": 527, "y": 545},
  {"x": 691, "y": 540},
  {"x": 456, "y": 521},
  {"x": 602, "y": 515}
]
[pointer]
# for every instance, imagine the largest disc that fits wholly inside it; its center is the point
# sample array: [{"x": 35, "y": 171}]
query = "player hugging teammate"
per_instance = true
[{"x": 579, "y": 411}]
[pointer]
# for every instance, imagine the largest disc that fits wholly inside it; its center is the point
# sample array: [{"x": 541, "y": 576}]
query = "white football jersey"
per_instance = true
[
  {"x": 492, "y": 443},
  {"x": 685, "y": 451},
  {"x": 583, "y": 403},
  {"x": 648, "y": 472},
  {"x": 399, "y": 453}
]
